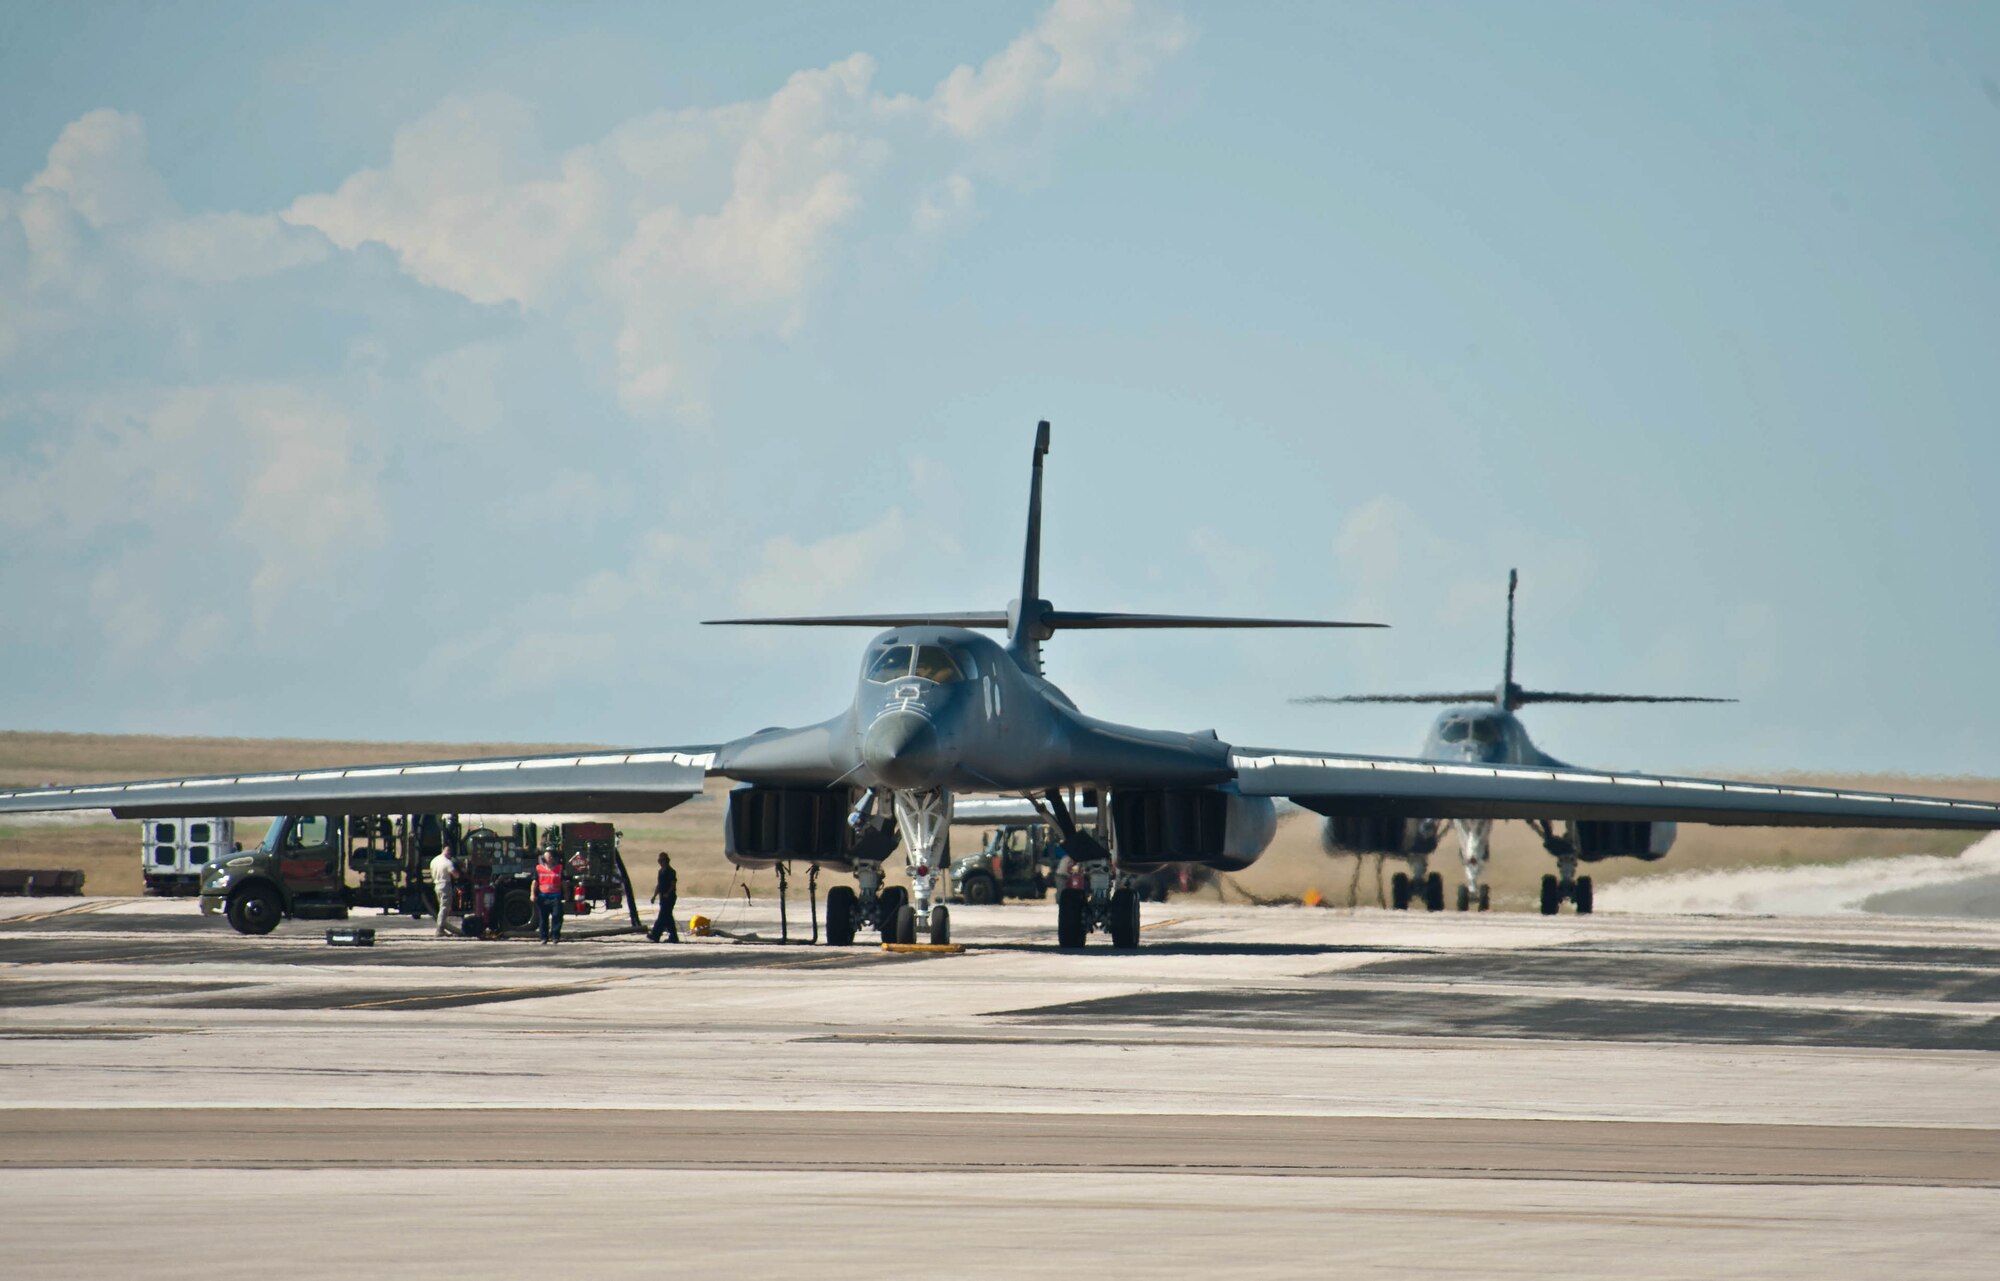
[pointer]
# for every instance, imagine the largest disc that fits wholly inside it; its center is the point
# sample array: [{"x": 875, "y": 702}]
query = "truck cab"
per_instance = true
[{"x": 296, "y": 872}]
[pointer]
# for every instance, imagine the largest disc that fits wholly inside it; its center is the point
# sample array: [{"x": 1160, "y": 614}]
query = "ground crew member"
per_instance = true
[
  {"x": 665, "y": 891},
  {"x": 443, "y": 872},
  {"x": 549, "y": 896}
]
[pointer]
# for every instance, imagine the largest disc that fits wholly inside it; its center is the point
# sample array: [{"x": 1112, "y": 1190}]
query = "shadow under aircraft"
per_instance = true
[
  {"x": 1480, "y": 728},
  {"x": 942, "y": 708}
]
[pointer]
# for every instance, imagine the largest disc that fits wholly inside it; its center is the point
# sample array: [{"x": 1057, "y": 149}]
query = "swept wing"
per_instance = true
[
  {"x": 626, "y": 781},
  {"x": 1387, "y": 786}
]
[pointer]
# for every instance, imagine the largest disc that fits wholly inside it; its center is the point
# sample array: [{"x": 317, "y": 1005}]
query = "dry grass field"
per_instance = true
[{"x": 108, "y": 851}]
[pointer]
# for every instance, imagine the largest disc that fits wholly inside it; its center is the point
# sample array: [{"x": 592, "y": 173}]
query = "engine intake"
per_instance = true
[
  {"x": 1218, "y": 829},
  {"x": 766, "y": 826},
  {"x": 1367, "y": 834},
  {"x": 1600, "y": 839}
]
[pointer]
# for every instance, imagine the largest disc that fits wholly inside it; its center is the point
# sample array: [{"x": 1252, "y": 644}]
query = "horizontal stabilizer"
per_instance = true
[
  {"x": 1054, "y": 619},
  {"x": 1088, "y": 620},
  {"x": 1476, "y": 696},
  {"x": 941, "y": 619},
  {"x": 1538, "y": 696},
  {"x": 1515, "y": 698}
]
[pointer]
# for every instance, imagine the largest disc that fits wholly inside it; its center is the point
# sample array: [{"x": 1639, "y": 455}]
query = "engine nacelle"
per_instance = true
[
  {"x": 1359, "y": 834},
  {"x": 1598, "y": 839},
  {"x": 1223, "y": 830},
  {"x": 766, "y": 826}
]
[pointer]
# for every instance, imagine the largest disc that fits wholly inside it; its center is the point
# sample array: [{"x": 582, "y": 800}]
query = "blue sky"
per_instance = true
[{"x": 427, "y": 371}]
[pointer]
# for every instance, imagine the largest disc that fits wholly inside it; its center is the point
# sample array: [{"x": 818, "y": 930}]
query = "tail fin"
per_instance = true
[
  {"x": 1029, "y": 619},
  {"x": 1027, "y": 614},
  {"x": 1510, "y": 695}
]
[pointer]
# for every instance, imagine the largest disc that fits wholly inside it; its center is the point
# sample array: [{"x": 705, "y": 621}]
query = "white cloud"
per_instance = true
[
  {"x": 680, "y": 229},
  {"x": 99, "y": 166},
  {"x": 1094, "y": 54}
]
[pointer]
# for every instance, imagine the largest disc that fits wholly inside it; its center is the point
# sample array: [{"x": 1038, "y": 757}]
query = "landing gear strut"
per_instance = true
[
  {"x": 1565, "y": 884},
  {"x": 924, "y": 818},
  {"x": 1473, "y": 834}
]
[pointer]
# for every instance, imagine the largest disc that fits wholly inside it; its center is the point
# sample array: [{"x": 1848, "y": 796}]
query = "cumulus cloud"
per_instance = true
[
  {"x": 98, "y": 225},
  {"x": 1092, "y": 54},
  {"x": 682, "y": 227}
]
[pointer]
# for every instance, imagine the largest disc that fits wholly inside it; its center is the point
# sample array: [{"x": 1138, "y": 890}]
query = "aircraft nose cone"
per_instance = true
[{"x": 902, "y": 750}]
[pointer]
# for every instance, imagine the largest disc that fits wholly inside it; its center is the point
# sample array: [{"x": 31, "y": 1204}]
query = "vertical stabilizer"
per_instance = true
[
  {"x": 1027, "y": 627},
  {"x": 1508, "y": 690}
]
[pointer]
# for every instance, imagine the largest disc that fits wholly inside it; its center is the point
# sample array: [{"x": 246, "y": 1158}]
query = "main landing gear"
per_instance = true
[
  {"x": 1565, "y": 884},
  {"x": 1419, "y": 885},
  {"x": 1096, "y": 896}
]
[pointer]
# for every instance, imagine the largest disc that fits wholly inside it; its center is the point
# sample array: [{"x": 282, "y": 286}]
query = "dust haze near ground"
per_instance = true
[{"x": 108, "y": 851}]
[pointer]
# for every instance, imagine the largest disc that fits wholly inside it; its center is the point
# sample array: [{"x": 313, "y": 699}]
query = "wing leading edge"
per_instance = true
[
  {"x": 618, "y": 782},
  {"x": 1384, "y": 786}
]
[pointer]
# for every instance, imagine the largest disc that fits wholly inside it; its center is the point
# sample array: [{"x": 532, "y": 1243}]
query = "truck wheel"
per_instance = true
[
  {"x": 840, "y": 916},
  {"x": 255, "y": 909},
  {"x": 517, "y": 912},
  {"x": 1125, "y": 920},
  {"x": 979, "y": 888},
  {"x": 1070, "y": 931}
]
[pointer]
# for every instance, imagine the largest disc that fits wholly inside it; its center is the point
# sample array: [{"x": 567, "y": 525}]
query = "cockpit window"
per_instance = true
[
  {"x": 935, "y": 663},
  {"x": 1453, "y": 732},
  {"x": 892, "y": 664},
  {"x": 1485, "y": 731}
]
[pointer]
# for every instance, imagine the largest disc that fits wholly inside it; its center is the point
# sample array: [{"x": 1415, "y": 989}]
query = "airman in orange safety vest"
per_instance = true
[{"x": 549, "y": 896}]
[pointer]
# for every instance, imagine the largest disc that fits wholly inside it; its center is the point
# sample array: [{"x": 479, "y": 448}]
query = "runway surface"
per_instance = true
[{"x": 1270, "y": 1092}]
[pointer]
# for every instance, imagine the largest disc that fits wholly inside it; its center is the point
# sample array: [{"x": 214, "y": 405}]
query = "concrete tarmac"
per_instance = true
[{"x": 1268, "y": 1092}]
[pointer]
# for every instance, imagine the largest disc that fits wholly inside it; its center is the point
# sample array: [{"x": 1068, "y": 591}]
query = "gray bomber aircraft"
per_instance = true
[
  {"x": 940, "y": 709},
  {"x": 1481, "y": 728}
]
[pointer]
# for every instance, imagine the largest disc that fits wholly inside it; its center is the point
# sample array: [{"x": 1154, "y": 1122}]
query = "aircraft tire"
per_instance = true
[
  {"x": 1584, "y": 896},
  {"x": 940, "y": 925},
  {"x": 840, "y": 916},
  {"x": 255, "y": 909},
  {"x": 904, "y": 925},
  {"x": 1434, "y": 892},
  {"x": 1070, "y": 931},
  {"x": 1551, "y": 895},
  {"x": 1125, "y": 920},
  {"x": 1485, "y": 897},
  {"x": 1399, "y": 892},
  {"x": 979, "y": 888},
  {"x": 1464, "y": 898},
  {"x": 887, "y": 904}
]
